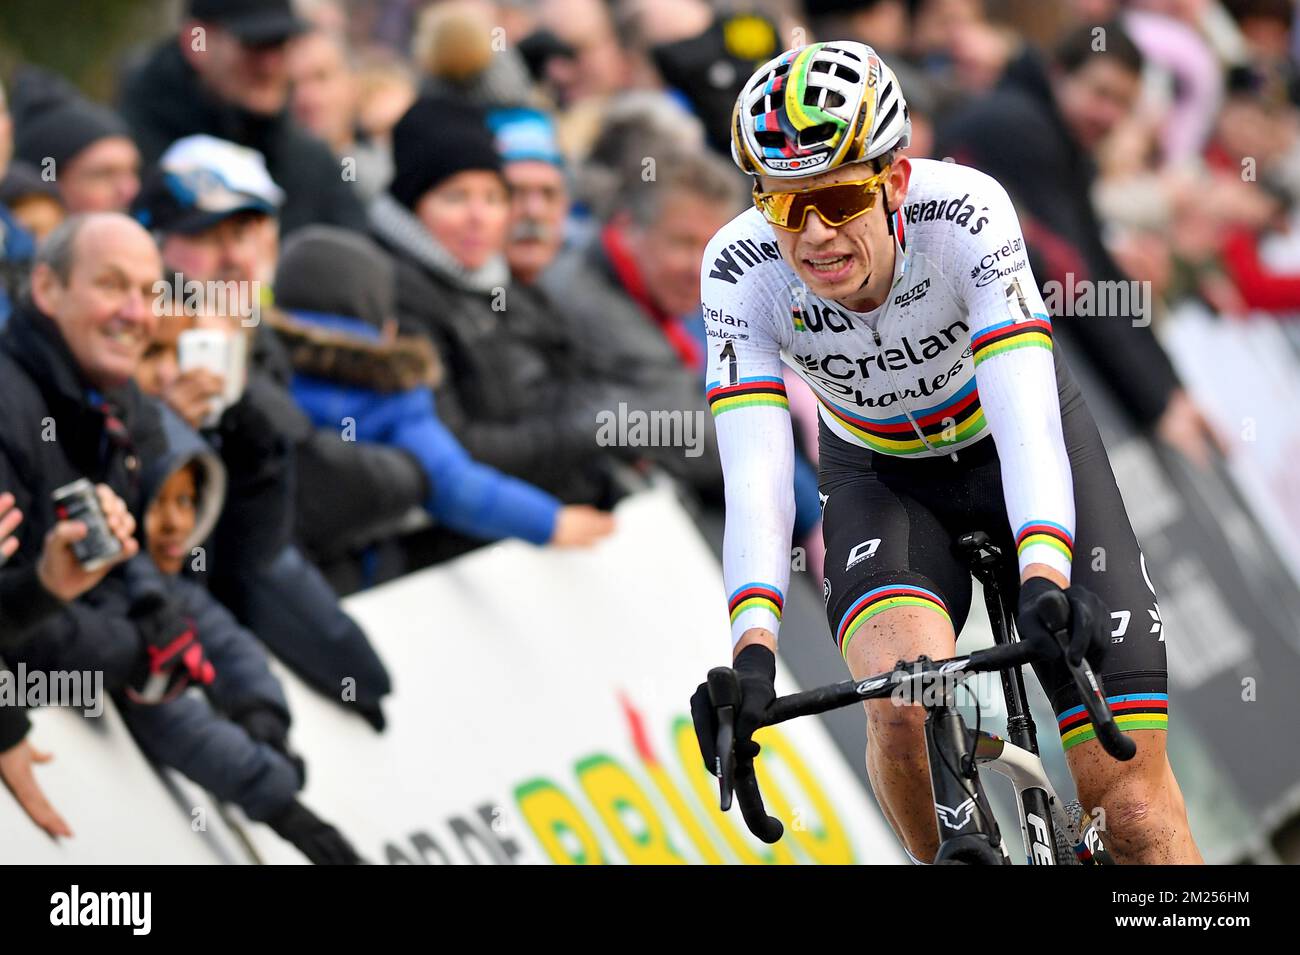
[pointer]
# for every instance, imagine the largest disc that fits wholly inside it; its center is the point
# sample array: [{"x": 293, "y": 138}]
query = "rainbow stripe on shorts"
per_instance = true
[
  {"x": 1132, "y": 711},
  {"x": 881, "y": 599}
]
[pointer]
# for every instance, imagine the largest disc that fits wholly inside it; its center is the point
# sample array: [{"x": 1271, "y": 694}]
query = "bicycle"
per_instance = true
[{"x": 1054, "y": 834}]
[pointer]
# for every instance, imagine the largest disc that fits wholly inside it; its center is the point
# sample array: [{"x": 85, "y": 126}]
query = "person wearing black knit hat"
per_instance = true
[
  {"x": 433, "y": 141},
  {"x": 86, "y": 149},
  {"x": 514, "y": 393}
]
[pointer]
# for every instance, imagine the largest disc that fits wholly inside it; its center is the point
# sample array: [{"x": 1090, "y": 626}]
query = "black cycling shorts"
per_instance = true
[{"x": 890, "y": 525}]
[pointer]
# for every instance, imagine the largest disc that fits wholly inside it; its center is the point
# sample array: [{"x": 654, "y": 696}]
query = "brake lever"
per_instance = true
[
  {"x": 724, "y": 695},
  {"x": 1108, "y": 733}
]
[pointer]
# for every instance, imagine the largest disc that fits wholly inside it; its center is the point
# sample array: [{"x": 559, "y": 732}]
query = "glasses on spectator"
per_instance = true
[{"x": 835, "y": 204}]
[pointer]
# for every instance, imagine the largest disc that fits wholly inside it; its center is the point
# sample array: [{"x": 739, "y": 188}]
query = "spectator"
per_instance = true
[
  {"x": 33, "y": 593},
  {"x": 623, "y": 344},
  {"x": 85, "y": 149},
  {"x": 1037, "y": 133},
  {"x": 30, "y": 595},
  {"x": 66, "y": 357},
  {"x": 703, "y": 57},
  {"x": 881, "y": 24},
  {"x": 533, "y": 168},
  {"x": 515, "y": 394},
  {"x": 233, "y": 739},
  {"x": 226, "y": 74},
  {"x": 211, "y": 206},
  {"x": 326, "y": 101},
  {"x": 16, "y": 244},
  {"x": 339, "y": 289},
  {"x": 36, "y": 205},
  {"x": 635, "y": 127},
  {"x": 386, "y": 88}
]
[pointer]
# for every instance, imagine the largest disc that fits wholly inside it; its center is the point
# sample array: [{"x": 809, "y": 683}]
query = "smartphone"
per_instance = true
[{"x": 219, "y": 352}]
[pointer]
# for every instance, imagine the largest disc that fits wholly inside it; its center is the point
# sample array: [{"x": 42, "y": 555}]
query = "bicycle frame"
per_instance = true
[{"x": 1017, "y": 758}]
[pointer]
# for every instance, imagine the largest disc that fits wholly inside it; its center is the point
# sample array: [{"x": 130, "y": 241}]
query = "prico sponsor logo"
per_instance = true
[
  {"x": 660, "y": 807},
  {"x": 960, "y": 211},
  {"x": 914, "y": 294},
  {"x": 742, "y": 254}
]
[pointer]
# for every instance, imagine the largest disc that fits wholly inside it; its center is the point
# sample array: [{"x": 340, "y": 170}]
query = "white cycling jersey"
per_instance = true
[{"x": 959, "y": 350}]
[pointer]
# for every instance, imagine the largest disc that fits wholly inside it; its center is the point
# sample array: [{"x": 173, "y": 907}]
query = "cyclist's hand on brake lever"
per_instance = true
[
  {"x": 755, "y": 668},
  {"x": 1045, "y": 608},
  {"x": 749, "y": 690},
  {"x": 1089, "y": 627}
]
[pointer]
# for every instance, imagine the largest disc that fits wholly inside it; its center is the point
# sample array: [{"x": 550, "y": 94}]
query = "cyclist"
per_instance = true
[{"x": 900, "y": 291}]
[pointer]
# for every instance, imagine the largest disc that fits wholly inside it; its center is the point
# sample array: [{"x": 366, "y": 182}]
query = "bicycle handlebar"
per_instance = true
[{"x": 740, "y": 778}]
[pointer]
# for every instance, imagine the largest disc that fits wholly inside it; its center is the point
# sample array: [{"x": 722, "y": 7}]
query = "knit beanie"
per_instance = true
[
  {"x": 435, "y": 140},
  {"x": 336, "y": 271},
  {"x": 64, "y": 130}
]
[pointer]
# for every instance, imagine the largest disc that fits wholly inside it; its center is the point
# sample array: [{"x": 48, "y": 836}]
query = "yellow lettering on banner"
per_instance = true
[
  {"x": 618, "y": 800},
  {"x": 705, "y": 785},
  {"x": 552, "y": 816},
  {"x": 827, "y": 843},
  {"x": 685, "y": 815}
]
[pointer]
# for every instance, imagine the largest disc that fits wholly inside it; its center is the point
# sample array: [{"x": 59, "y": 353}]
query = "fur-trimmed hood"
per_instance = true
[
  {"x": 185, "y": 446},
  {"x": 352, "y": 352}
]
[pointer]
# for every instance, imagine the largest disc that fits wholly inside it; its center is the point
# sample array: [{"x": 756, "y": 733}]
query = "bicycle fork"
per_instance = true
[{"x": 965, "y": 819}]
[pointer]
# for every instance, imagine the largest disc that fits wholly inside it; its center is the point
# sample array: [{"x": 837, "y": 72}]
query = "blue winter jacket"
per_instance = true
[{"x": 465, "y": 495}]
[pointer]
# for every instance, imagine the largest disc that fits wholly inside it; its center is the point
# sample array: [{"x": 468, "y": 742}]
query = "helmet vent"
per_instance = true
[
  {"x": 817, "y": 134},
  {"x": 823, "y": 98},
  {"x": 836, "y": 70},
  {"x": 842, "y": 52},
  {"x": 889, "y": 116}
]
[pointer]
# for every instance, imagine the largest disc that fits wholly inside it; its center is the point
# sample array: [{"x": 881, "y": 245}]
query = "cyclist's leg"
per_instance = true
[
  {"x": 893, "y": 591},
  {"x": 1145, "y": 817}
]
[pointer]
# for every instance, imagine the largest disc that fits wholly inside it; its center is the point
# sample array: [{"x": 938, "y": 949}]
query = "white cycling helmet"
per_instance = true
[{"x": 817, "y": 107}]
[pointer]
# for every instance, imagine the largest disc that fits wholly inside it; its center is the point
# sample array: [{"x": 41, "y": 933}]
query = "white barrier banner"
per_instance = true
[
  {"x": 541, "y": 714},
  {"x": 1245, "y": 375},
  {"x": 109, "y": 795}
]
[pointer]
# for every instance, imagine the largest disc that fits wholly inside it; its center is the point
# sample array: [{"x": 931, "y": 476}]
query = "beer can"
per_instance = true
[{"x": 79, "y": 502}]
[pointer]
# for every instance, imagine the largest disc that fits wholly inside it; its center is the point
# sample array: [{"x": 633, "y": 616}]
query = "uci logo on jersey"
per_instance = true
[{"x": 815, "y": 317}]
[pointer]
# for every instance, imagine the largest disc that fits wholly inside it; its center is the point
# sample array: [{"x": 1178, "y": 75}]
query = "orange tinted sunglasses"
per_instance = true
[{"x": 835, "y": 204}]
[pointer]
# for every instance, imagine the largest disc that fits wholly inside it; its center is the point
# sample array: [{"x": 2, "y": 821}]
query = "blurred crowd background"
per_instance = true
[{"x": 450, "y": 235}]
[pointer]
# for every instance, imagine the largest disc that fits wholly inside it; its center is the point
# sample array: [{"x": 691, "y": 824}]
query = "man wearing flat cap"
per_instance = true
[{"x": 225, "y": 74}]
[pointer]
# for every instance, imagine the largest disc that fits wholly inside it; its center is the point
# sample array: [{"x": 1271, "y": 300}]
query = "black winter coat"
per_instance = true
[
  {"x": 51, "y": 433},
  {"x": 163, "y": 101}
]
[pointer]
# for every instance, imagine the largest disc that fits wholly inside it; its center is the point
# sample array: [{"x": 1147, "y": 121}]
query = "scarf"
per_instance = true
[
  {"x": 629, "y": 276},
  {"x": 402, "y": 229}
]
